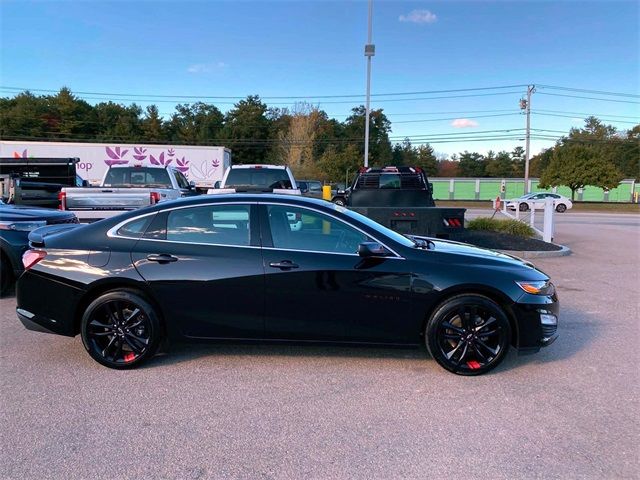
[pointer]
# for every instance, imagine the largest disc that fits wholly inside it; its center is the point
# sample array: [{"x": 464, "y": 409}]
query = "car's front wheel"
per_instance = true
[
  {"x": 468, "y": 334},
  {"x": 561, "y": 208},
  {"x": 120, "y": 329},
  {"x": 339, "y": 201}
]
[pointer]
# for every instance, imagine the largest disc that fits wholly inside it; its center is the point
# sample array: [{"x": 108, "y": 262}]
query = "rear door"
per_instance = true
[
  {"x": 204, "y": 265},
  {"x": 318, "y": 288}
]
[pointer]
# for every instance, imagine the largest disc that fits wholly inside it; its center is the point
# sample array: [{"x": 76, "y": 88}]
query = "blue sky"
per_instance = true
[{"x": 313, "y": 48}]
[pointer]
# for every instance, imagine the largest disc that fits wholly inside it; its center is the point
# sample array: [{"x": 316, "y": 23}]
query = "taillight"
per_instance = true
[
  {"x": 62, "y": 198},
  {"x": 154, "y": 197},
  {"x": 31, "y": 257}
]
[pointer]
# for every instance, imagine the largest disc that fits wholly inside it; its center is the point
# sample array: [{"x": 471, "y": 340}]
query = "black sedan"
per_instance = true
[
  {"x": 15, "y": 224},
  {"x": 279, "y": 268}
]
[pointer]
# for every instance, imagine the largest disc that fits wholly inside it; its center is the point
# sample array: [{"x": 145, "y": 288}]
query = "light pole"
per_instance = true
[{"x": 369, "y": 51}]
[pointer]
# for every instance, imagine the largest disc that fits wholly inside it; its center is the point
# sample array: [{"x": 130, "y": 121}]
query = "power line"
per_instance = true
[
  {"x": 588, "y": 98},
  {"x": 583, "y": 90},
  {"x": 589, "y": 114},
  {"x": 570, "y": 116},
  {"x": 287, "y": 97},
  {"x": 455, "y": 118}
]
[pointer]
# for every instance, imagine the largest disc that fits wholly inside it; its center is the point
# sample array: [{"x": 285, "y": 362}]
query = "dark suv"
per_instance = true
[{"x": 15, "y": 224}]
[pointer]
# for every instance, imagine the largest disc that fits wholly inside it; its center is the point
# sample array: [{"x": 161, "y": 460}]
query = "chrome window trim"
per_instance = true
[{"x": 112, "y": 232}]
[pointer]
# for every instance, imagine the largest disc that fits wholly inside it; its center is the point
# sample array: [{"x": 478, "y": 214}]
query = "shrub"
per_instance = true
[{"x": 511, "y": 227}]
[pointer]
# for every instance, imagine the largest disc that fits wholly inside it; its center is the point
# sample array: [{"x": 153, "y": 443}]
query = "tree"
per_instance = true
[
  {"x": 152, "y": 126},
  {"x": 426, "y": 159},
  {"x": 196, "y": 123},
  {"x": 246, "y": 131},
  {"x": 337, "y": 165},
  {"x": 499, "y": 165},
  {"x": 295, "y": 144},
  {"x": 518, "y": 160},
  {"x": 471, "y": 164},
  {"x": 577, "y": 165},
  {"x": 379, "y": 128}
]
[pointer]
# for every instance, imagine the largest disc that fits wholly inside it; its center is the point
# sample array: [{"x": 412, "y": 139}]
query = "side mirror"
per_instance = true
[
  {"x": 372, "y": 249},
  {"x": 217, "y": 184},
  {"x": 85, "y": 183},
  {"x": 192, "y": 185}
]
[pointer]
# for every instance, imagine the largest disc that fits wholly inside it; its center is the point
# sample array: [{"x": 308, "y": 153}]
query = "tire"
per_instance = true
[
  {"x": 6, "y": 275},
  {"x": 524, "y": 207},
  {"x": 468, "y": 334},
  {"x": 115, "y": 335},
  {"x": 339, "y": 201},
  {"x": 561, "y": 208}
]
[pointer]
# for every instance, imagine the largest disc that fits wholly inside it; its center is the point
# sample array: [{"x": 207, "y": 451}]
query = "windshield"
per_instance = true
[
  {"x": 137, "y": 177},
  {"x": 401, "y": 239},
  {"x": 258, "y": 177}
]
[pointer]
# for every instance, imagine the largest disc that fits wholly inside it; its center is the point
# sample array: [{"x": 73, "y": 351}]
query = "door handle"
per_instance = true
[
  {"x": 162, "y": 258},
  {"x": 284, "y": 265}
]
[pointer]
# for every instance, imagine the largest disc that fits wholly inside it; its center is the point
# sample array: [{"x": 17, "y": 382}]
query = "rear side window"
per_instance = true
[
  {"x": 258, "y": 177},
  {"x": 214, "y": 225},
  {"x": 135, "y": 228}
]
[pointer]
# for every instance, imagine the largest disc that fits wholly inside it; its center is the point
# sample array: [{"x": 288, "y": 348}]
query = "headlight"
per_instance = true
[
  {"x": 22, "y": 226},
  {"x": 542, "y": 287}
]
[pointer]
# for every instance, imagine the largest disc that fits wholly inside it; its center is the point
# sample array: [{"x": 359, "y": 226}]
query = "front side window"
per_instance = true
[
  {"x": 212, "y": 224},
  {"x": 182, "y": 180},
  {"x": 294, "y": 228}
]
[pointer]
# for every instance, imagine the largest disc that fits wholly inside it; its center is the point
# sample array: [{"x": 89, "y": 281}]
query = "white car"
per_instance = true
[{"x": 536, "y": 201}]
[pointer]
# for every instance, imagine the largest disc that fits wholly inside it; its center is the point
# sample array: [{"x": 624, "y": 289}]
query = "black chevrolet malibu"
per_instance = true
[{"x": 279, "y": 268}]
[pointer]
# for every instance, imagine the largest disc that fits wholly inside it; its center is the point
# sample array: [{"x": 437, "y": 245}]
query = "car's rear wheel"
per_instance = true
[
  {"x": 524, "y": 207},
  {"x": 339, "y": 201},
  {"x": 561, "y": 208},
  {"x": 468, "y": 334},
  {"x": 120, "y": 329}
]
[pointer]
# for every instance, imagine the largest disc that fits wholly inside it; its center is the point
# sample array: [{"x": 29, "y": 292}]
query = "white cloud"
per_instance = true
[
  {"x": 464, "y": 123},
  {"x": 419, "y": 16},
  {"x": 206, "y": 67}
]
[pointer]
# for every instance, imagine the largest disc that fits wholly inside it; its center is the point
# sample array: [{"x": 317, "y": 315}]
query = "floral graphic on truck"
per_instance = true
[
  {"x": 160, "y": 160},
  {"x": 139, "y": 153},
  {"x": 115, "y": 156},
  {"x": 182, "y": 164}
]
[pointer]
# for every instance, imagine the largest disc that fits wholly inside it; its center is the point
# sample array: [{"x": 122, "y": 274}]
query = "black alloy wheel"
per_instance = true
[
  {"x": 120, "y": 329},
  {"x": 524, "y": 207},
  {"x": 561, "y": 208},
  {"x": 468, "y": 334},
  {"x": 339, "y": 201}
]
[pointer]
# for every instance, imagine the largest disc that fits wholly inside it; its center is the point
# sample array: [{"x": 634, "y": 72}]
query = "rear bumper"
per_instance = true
[{"x": 38, "y": 323}]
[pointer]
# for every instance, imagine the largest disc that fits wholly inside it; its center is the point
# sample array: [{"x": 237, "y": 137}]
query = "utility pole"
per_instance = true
[
  {"x": 526, "y": 106},
  {"x": 369, "y": 51}
]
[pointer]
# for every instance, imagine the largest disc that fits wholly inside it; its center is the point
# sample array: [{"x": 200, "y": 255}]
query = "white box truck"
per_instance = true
[{"x": 202, "y": 165}]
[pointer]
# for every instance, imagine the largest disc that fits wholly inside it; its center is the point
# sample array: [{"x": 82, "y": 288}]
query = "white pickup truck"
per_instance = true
[
  {"x": 257, "y": 178},
  {"x": 125, "y": 188}
]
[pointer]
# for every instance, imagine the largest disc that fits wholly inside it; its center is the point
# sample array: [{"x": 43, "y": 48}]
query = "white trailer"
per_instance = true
[{"x": 203, "y": 165}]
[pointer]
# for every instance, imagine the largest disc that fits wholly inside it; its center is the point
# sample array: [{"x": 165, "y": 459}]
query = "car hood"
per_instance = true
[
  {"x": 14, "y": 213},
  {"x": 470, "y": 251}
]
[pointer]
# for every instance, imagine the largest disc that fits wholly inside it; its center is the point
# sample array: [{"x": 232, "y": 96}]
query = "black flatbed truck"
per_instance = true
[{"x": 401, "y": 198}]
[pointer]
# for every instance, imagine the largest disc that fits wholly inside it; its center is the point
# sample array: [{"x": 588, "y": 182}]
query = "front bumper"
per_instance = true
[{"x": 536, "y": 322}]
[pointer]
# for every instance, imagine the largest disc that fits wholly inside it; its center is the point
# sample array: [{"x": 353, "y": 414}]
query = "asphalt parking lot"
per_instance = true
[{"x": 236, "y": 411}]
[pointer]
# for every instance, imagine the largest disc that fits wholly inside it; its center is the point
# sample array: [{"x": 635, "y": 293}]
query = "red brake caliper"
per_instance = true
[
  {"x": 129, "y": 357},
  {"x": 473, "y": 365}
]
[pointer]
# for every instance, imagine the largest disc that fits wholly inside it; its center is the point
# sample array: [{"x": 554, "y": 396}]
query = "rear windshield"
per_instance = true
[
  {"x": 137, "y": 177},
  {"x": 258, "y": 177},
  {"x": 375, "y": 180}
]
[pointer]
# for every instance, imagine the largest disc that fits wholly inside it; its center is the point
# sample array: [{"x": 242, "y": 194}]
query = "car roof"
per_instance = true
[
  {"x": 157, "y": 167},
  {"x": 259, "y": 165}
]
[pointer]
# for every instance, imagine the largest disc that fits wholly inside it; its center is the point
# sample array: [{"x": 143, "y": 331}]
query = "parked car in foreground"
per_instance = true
[
  {"x": 257, "y": 178},
  {"x": 232, "y": 267},
  {"x": 536, "y": 201},
  {"x": 15, "y": 224}
]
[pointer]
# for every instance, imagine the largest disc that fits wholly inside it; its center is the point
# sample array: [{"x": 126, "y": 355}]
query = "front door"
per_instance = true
[
  {"x": 205, "y": 268},
  {"x": 318, "y": 288}
]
